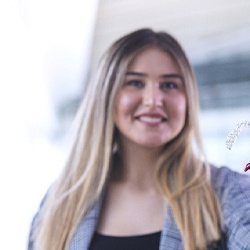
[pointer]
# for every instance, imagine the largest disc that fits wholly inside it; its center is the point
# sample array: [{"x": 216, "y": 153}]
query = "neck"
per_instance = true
[{"x": 137, "y": 164}]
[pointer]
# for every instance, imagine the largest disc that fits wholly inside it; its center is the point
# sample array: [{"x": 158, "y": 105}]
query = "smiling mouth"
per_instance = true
[{"x": 151, "y": 119}]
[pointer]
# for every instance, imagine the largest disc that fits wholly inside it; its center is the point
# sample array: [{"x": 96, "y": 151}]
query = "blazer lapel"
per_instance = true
[
  {"x": 84, "y": 232},
  {"x": 170, "y": 236}
]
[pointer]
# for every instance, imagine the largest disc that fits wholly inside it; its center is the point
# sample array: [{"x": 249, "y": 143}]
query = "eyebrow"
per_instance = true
[{"x": 162, "y": 76}]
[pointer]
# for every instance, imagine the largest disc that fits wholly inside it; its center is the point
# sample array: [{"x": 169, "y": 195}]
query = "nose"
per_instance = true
[{"x": 152, "y": 96}]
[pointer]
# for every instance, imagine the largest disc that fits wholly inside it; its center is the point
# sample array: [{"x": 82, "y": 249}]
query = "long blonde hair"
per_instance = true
[{"x": 181, "y": 176}]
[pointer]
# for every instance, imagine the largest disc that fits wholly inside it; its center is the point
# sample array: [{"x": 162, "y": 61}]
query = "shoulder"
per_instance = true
[
  {"x": 232, "y": 188},
  {"x": 223, "y": 179}
]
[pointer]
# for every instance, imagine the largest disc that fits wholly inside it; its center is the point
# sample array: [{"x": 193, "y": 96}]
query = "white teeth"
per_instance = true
[{"x": 150, "y": 119}]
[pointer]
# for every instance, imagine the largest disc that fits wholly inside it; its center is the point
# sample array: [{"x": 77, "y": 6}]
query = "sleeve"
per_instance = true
[
  {"x": 31, "y": 234},
  {"x": 235, "y": 202},
  {"x": 33, "y": 226}
]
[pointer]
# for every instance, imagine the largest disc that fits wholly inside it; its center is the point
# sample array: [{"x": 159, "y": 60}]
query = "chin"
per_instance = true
[{"x": 153, "y": 145}]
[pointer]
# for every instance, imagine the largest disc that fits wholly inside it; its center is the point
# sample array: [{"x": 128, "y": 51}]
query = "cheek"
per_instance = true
[
  {"x": 125, "y": 103},
  {"x": 120, "y": 107},
  {"x": 180, "y": 107}
]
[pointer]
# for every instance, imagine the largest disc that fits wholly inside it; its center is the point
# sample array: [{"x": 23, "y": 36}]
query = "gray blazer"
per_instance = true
[{"x": 233, "y": 191}]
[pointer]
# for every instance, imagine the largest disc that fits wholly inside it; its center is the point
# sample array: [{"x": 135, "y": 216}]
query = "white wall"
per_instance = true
[{"x": 45, "y": 50}]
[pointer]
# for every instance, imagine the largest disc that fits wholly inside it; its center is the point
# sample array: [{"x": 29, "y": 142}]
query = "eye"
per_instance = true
[
  {"x": 135, "y": 83},
  {"x": 168, "y": 85}
]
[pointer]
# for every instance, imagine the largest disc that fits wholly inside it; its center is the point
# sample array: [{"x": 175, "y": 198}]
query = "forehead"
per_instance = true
[{"x": 154, "y": 60}]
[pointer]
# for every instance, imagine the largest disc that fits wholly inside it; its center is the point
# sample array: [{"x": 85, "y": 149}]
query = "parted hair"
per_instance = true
[{"x": 182, "y": 174}]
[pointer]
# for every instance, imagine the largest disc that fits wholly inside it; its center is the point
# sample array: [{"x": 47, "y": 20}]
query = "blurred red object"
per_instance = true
[{"x": 247, "y": 167}]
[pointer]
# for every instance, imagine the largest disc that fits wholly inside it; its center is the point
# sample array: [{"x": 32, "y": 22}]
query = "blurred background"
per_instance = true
[{"x": 48, "y": 50}]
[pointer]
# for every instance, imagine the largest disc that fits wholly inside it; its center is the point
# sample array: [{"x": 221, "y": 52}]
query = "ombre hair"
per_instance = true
[{"x": 182, "y": 174}]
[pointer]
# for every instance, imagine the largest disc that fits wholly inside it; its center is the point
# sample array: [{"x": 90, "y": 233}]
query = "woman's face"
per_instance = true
[{"x": 151, "y": 107}]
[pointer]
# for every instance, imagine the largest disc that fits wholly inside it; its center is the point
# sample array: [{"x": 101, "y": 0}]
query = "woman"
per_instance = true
[{"x": 133, "y": 178}]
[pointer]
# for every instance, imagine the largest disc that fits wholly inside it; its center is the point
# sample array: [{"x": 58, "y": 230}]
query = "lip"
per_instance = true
[{"x": 152, "y": 118}]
